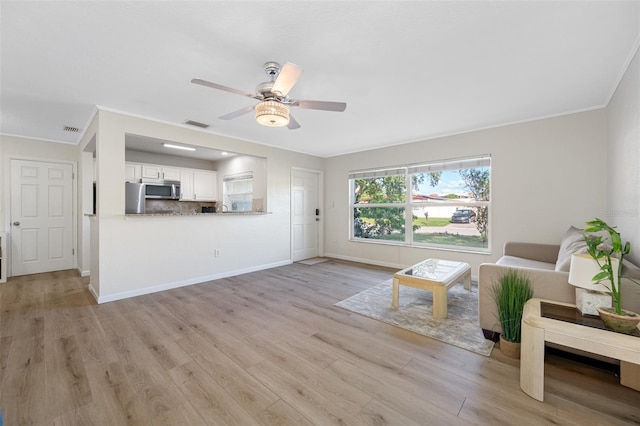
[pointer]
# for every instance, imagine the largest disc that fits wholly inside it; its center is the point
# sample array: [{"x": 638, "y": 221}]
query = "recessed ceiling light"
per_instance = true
[
  {"x": 224, "y": 153},
  {"x": 186, "y": 148}
]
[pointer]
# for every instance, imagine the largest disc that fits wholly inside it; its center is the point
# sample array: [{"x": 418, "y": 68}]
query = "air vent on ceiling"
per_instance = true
[
  {"x": 71, "y": 129},
  {"x": 197, "y": 124}
]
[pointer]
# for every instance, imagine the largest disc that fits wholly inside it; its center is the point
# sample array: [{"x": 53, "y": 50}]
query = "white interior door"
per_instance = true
[
  {"x": 305, "y": 222},
  {"x": 41, "y": 217}
]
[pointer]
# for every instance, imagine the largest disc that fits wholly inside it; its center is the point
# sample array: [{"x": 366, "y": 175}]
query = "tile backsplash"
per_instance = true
[{"x": 174, "y": 206}]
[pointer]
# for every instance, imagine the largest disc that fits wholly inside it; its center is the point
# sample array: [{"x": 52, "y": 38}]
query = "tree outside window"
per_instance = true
[
  {"x": 442, "y": 204},
  {"x": 375, "y": 221}
]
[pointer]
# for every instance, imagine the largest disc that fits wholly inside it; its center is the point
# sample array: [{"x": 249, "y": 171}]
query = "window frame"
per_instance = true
[
  {"x": 409, "y": 204},
  {"x": 230, "y": 184}
]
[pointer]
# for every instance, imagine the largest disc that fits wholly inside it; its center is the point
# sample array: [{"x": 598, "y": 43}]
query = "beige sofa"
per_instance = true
[{"x": 541, "y": 262}]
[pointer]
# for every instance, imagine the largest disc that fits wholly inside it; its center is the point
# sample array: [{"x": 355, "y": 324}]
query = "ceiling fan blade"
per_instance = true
[
  {"x": 293, "y": 124},
  {"x": 237, "y": 113},
  {"x": 224, "y": 88},
  {"x": 287, "y": 78},
  {"x": 323, "y": 105}
]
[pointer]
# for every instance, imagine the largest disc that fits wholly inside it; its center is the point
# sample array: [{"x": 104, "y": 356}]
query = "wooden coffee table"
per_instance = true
[{"x": 433, "y": 275}]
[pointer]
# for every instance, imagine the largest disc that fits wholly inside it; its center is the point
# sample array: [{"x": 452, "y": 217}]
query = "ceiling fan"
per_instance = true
[{"x": 273, "y": 108}]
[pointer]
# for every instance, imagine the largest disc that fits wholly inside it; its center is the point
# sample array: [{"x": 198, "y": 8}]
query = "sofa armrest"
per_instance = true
[
  {"x": 546, "y": 284},
  {"x": 541, "y": 252}
]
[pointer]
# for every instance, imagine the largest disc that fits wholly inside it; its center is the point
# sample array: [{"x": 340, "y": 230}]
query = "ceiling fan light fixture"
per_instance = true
[{"x": 272, "y": 114}]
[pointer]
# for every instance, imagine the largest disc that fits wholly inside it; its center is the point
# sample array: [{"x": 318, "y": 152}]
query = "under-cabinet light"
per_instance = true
[{"x": 186, "y": 148}]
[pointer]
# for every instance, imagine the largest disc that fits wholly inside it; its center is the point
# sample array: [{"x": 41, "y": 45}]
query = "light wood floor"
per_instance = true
[{"x": 263, "y": 348}]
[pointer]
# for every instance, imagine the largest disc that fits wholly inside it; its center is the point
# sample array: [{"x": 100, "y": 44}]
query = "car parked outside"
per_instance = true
[{"x": 463, "y": 216}]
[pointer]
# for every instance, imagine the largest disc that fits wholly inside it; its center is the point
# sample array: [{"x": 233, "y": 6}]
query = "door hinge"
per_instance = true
[
  {"x": 73, "y": 251},
  {"x": 73, "y": 176}
]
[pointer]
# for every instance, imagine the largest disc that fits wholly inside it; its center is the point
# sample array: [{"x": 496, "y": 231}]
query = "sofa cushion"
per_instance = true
[
  {"x": 521, "y": 262},
  {"x": 572, "y": 243}
]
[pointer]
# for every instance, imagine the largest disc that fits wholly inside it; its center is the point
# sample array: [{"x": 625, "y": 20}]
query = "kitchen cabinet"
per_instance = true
[
  {"x": 205, "y": 185},
  {"x": 198, "y": 185},
  {"x": 132, "y": 172},
  {"x": 195, "y": 184},
  {"x": 170, "y": 173},
  {"x": 160, "y": 173},
  {"x": 150, "y": 171},
  {"x": 186, "y": 185}
]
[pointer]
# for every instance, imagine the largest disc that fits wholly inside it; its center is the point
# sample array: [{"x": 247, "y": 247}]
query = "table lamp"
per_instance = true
[{"x": 589, "y": 294}]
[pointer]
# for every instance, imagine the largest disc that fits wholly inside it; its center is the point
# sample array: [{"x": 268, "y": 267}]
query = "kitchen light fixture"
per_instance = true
[
  {"x": 186, "y": 148},
  {"x": 272, "y": 114}
]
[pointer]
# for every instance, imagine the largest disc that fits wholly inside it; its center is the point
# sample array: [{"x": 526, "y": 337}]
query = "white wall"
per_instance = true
[
  {"x": 623, "y": 184},
  {"x": 546, "y": 175},
  {"x": 142, "y": 254}
]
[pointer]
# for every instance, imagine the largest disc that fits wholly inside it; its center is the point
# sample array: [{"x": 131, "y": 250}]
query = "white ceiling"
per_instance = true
[{"x": 408, "y": 70}]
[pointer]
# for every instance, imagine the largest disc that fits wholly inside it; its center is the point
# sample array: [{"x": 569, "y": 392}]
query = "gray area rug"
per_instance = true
[{"x": 460, "y": 328}]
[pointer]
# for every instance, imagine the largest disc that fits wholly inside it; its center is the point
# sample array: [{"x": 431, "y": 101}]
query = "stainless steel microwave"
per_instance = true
[{"x": 167, "y": 190}]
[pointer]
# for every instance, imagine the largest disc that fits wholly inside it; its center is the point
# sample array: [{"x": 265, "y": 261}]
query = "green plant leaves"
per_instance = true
[
  {"x": 603, "y": 254},
  {"x": 511, "y": 292}
]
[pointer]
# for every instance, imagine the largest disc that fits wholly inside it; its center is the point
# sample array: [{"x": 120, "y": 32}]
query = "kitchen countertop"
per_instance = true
[{"x": 197, "y": 214}]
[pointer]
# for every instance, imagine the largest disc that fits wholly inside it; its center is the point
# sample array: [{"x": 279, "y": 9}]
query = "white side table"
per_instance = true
[{"x": 536, "y": 330}]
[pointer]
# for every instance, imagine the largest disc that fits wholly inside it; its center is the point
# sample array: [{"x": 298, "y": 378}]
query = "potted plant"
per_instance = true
[
  {"x": 603, "y": 252},
  {"x": 511, "y": 292}
]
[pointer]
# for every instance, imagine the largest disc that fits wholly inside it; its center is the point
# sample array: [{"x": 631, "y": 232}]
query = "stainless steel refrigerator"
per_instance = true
[{"x": 135, "y": 198}]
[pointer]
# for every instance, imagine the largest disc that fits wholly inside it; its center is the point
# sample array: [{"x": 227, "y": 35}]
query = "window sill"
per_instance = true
[{"x": 468, "y": 250}]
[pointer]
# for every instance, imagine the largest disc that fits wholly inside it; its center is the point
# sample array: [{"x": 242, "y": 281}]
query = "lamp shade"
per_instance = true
[
  {"x": 584, "y": 268},
  {"x": 272, "y": 114}
]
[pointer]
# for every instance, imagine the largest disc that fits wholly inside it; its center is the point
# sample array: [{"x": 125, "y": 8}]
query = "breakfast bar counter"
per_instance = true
[{"x": 169, "y": 213}]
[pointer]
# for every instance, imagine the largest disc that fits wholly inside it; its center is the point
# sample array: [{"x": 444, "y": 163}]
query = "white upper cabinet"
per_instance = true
[
  {"x": 195, "y": 184},
  {"x": 205, "y": 185},
  {"x": 132, "y": 172},
  {"x": 198, "y": 185},
  {"x": 170, "y": 173},
  {"x": 160, "y": 173},
  {"x": 186, "y": 185},
  {"x": 150, "y": 171}
]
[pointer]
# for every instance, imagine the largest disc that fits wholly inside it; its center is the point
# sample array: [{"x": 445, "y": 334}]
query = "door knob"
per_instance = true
[{"x": 16, "y": 223}]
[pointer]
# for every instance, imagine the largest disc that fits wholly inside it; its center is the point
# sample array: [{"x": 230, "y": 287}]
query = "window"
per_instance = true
[
  {"x": 440, "y": 205},
  {"x": 238, "y": 192}
]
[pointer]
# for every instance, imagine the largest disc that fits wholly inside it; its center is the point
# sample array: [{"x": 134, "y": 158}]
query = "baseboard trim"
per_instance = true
[
  {"x": 363, "y": 260},
  {"x": 183, "y": 283},
  {"x": 93, "y": 292},
  {"x": 474, "y": 278}
]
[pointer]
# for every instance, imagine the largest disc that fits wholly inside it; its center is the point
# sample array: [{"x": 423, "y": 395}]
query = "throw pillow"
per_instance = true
[{"x": 572, "y": 243}]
